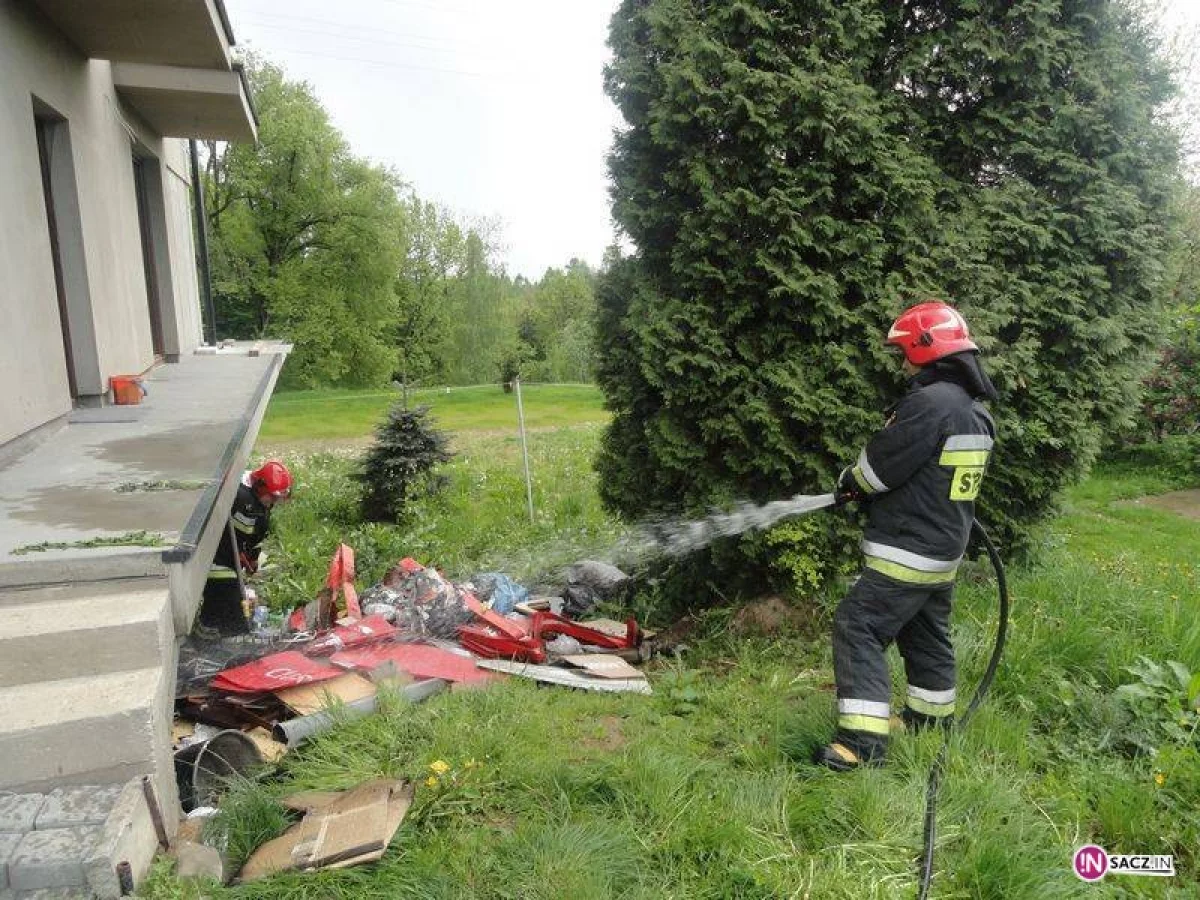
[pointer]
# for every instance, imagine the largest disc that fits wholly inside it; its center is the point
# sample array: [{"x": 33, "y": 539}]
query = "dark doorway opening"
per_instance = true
[
  {"x": 48, "y": 130},
  {"x": 142, "y": 170}
]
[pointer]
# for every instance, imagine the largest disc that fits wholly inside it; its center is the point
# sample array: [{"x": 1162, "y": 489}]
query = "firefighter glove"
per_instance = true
[
  {"x": 249, "y": 564},
  {"x": 847, "y": 490}
]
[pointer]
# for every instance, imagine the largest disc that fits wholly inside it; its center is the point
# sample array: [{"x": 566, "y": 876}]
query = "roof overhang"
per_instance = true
[
  {"x": 191, "y": 33},
  {"x": 189, "y": 103}
]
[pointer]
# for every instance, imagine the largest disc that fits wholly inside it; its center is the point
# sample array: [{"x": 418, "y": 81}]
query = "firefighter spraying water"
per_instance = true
[{"x": 920, "y": 476}]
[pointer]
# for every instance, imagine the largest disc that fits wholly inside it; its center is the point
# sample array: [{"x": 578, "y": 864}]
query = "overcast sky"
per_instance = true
[{"x": 492, "y": 107}]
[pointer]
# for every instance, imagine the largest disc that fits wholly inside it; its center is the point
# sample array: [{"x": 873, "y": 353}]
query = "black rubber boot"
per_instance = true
[
  {"x": 915, "y": 722},
  {"x": 221, "y": 609},
  {"x": 850, "y": 751}
]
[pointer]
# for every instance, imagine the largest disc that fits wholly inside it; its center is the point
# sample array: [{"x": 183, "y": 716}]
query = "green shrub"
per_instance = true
[
  {"x": 1162, "y": 706},
  {"x": 1172, "y": 401},
  {"x": 789, "y": 189},
  {"x": 1174, "y": 461},
  {"x": 401, "y": 463},
  {"x": 800, "y": 554}
]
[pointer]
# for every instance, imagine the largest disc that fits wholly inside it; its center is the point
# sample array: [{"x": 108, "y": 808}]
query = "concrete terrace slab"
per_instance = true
[{"x": 104, "y": 476}]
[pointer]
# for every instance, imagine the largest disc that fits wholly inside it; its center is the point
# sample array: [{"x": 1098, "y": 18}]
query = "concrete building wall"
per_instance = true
[
  {"x": 114, "y": 250},
  {"x": 103, "y": 262},
  {"x": 177, "y": 192},
  {"x": 31, "y": 359}
]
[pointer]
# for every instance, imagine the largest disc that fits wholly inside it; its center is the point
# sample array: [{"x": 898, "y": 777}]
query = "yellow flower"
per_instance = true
[
  {"x": 439, "y": 766},
  {"x": 431, "y": 781},
  {"x": 1160, "y": 779},
  {"x": 471, "y": 764}
]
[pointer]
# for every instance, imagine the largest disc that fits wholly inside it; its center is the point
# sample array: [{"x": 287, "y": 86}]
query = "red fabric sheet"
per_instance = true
[
  {"x": 341, "y": 578},
  {"x": 279, "y": 670},
  {"x": 418, "y": 660}
]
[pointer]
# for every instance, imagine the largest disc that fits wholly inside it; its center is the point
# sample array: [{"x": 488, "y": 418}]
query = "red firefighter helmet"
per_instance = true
[
  {"x": 929, "y": 331},
  {"x": 273, "y": 478}
]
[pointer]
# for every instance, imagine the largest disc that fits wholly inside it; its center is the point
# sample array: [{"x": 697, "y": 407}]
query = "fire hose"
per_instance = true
[{"x": 939, "y": 762}]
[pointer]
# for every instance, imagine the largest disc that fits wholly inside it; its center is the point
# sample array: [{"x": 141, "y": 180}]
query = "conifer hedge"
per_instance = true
[{"x": 795, "y": 173}]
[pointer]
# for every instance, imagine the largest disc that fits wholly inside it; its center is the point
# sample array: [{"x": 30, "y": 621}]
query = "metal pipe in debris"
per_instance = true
[{"x": 294, "y": 732}]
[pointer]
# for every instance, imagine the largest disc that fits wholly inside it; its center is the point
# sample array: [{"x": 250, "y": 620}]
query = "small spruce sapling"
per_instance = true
[{"x": 400, "y": 465}]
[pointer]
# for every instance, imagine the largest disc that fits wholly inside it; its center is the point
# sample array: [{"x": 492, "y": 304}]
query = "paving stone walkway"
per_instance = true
[{"x": 46, "y": 841}]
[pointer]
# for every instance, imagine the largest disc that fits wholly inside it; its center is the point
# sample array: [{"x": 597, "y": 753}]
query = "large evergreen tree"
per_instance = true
[{"x": 794, "y": 174}]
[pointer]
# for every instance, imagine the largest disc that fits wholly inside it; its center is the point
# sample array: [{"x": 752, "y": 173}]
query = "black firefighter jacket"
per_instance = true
[
  {"x": 250, "y": 520},
  {"x": 922, "y": 473}
]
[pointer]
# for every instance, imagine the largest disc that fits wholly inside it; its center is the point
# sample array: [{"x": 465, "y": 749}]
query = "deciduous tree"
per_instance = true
[{"x": 306, "y": 240}]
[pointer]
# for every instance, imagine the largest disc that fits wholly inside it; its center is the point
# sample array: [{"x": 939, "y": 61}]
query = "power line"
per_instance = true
[
  {"x": 369, "y": 41},
  {"x": 440, "y": 6},
  {"x": 326, "y": 24},
  {"x": 388, "y": 64}
]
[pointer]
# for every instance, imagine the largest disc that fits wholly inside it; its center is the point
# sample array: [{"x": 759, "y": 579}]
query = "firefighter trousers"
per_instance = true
[
  {"x": 221, "y": 607},
  {"x": 878, "y": 610}
]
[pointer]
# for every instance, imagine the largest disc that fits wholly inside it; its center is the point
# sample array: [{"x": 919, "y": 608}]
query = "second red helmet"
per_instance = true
[
  {"x": 928, "y": 331},
  {"x": 272, "y": 477}
]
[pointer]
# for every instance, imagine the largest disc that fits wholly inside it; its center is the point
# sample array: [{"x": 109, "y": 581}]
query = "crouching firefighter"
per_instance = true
[
  {"x": 222, "y": 609},
  {"x": 921, "y": 475}
]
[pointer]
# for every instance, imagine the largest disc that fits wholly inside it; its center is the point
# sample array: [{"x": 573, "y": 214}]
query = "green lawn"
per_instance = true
[
  {"x": 703, "y": 790},
  {"x": 333, "y": 415}
]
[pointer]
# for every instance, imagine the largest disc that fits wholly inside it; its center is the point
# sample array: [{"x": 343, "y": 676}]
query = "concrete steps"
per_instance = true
[
  {"x": 87, "y": 730},
  {"x": 98, "y": 732},
  {"x": 87, "y": 674},
  {"x": 77, "y": 842},
  {"x": 59, "y": 591},
  {"x": 59, "y": 633}
]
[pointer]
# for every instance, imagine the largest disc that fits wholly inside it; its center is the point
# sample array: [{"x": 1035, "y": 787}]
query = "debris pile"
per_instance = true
[{"x": 242, "y": 702}]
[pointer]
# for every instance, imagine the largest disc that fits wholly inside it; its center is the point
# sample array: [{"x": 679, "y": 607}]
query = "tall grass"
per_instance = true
[{"x": 704, "y": 790}]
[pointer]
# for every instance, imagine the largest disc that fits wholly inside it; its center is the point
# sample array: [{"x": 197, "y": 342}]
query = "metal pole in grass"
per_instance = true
[{"x": 524, "y": 448}]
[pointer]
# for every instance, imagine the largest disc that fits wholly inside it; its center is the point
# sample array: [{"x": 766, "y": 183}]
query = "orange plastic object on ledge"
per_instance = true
[{"x": 127, "y": 390}]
